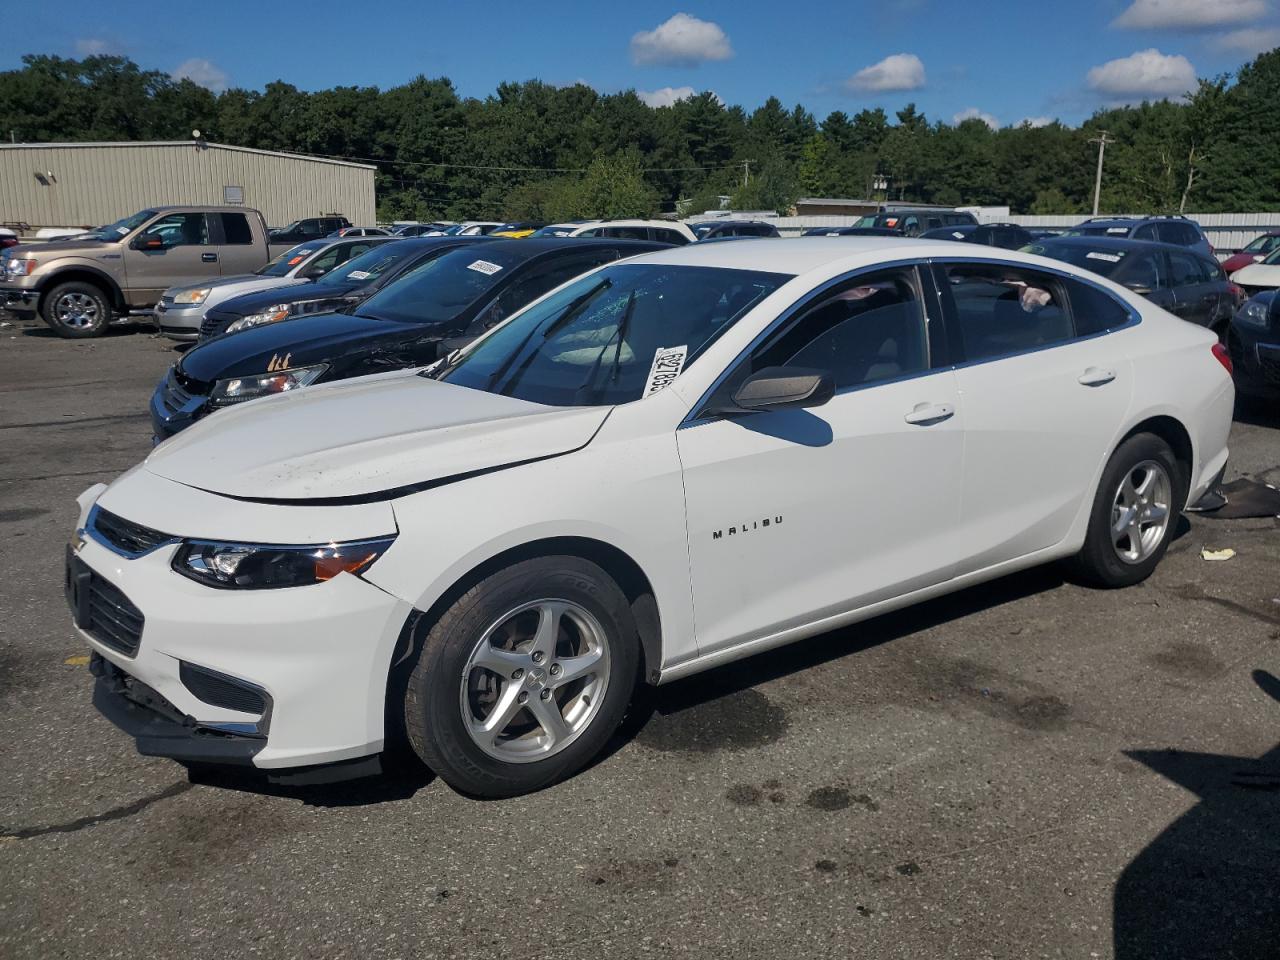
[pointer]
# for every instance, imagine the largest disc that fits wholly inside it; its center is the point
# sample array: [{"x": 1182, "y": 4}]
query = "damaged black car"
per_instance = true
[{"x": 457, "y": 294}]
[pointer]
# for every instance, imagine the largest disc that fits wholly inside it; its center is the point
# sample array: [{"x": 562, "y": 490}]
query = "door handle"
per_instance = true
[
  {"x": 927, "y": 414},
  {"x": 1096, "y": 377},
  {"x": 209, "y": 257}
]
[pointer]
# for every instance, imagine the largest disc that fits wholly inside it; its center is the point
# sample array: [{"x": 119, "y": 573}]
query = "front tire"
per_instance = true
[
  {"x": 76, "y": 310},
  {"x": 524, "y": 677},
  {"x": 1135, "y": 511}
]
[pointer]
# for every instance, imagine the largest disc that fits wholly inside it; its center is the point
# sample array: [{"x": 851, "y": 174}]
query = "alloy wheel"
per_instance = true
[
  {"x": 76, "y": 310},
  {"x": 535, "y": 680},
  {"x": 1141, "y": 511}
]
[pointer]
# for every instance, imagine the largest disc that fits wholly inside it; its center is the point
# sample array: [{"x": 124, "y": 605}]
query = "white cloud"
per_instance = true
[
  {"x": 901, "y": 71},
  {"x": 1250, "y": 42},
  {"x": 203, "y": 72},
  {"x": 1036, "y": 121},
  {"x": 96, "y": 46},
  {"x": 973, "y": 113},
  {"x": 1188, "y": 14},
  {"x": 683, "y": 41},
  {"x": 665, "y": 96},
  {"x": 1146, "y": 74}
]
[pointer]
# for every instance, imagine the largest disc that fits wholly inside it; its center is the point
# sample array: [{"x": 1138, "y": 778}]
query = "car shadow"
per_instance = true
[
  {"x": 1209, "y": 885},
  {"x": 678, "y": 708},
  {"x": 401, "y": 779}
]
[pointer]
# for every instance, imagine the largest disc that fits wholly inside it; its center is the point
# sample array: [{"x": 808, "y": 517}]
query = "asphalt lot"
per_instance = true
[{"x": 1026, "y": 769}]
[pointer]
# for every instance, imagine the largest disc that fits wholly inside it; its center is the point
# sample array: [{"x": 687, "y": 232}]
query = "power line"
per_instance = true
[{"x": 499, "y": 169}]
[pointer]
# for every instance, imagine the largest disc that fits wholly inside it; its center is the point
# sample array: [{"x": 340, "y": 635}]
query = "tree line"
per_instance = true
[{"x": 532, "y": 150}]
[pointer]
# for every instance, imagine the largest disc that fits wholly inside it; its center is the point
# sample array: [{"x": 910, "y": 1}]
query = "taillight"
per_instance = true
[
  {"x": 1224, "y": 357},
  {"x": 1237, "y": 292}
]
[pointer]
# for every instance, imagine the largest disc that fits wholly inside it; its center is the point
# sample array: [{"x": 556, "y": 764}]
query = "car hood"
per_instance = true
[
  {"x": 369, "y": 438},
  {"x": 1259, "y": 274},
  {"x": 256, "y": 301},
  {"x": 56, "y": 248},
  {"x": 315, "y": 338}
]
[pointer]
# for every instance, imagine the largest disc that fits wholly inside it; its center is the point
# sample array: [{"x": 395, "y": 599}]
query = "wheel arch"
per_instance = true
[
  {"x": 83, "y": 274},
  {"x": 626, "y": 572},
  {"x": 1173, "y": 432}
]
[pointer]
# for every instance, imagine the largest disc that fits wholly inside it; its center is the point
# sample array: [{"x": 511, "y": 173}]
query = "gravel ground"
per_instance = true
[{"x": 1025, "y": 769}]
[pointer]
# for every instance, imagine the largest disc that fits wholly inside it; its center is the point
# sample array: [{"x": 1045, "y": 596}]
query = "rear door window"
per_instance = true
[
  {"x": 1000, "y": 309},
  {"x": 624, "y": 233},
  {"x": 235, "y": 229},
  {"x": 1145, "y": 232},
  {"x": 1187, "y": 269},
  {"x": 663, "y": 235}
]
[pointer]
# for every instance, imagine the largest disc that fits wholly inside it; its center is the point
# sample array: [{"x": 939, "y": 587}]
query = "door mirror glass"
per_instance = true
[
  {"x": 782, "y": 388},
  {"x": 148, "y": 241},
  {"x": 314, "y": 272}
]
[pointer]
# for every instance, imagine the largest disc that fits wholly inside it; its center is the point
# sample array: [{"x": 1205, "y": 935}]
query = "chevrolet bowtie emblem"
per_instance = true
[{"x": 277, "y": 363}]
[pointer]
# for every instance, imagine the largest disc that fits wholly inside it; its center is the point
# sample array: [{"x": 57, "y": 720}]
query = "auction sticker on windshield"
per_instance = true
[
  {"x": 667, "y": 364},
  {"x": 485, "y": 267},
  {"x": 1109, "y": 257}
]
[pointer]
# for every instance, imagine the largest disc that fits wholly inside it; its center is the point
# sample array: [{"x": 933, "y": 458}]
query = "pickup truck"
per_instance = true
[{"x": 82, "y": 285}]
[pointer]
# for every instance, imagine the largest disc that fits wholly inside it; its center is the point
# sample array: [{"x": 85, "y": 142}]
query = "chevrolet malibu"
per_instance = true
[{"x": 664, "y": 465}]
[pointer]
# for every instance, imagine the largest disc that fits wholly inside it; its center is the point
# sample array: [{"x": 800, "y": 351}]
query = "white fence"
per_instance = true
[{"x": 1226, "y": 231}]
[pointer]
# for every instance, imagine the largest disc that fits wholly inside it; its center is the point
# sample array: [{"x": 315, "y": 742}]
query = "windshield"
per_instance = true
[
  {"x": 1273, "y": 256},
  {"x": 370, "y": 265},
  {"x": 440, "y": 289},
  {"x": 114, "y": 231},
  {"x": 1083, "y": 255},
  {"x": 289, "y": 260},
  {"x": 613, "y": 336}
]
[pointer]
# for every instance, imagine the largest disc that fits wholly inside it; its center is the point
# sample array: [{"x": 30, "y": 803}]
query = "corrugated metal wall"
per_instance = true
[{"x": 94, "y": 184}]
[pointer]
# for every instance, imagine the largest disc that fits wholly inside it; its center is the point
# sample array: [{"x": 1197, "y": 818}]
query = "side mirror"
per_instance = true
[
  {"x": 313, "y": 273},
  {"x": 1141, "y": 289},
  {"x": 781, "y": 388},
  {"x": 148, "y": 242}
]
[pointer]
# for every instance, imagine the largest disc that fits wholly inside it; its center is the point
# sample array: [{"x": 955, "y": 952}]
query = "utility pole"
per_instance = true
[
  {"x": 1102, "y": 142},
  {"x": 746, "y": 171}
]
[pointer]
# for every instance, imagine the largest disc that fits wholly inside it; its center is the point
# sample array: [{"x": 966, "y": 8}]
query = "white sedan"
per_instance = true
[
  {"x": 1257, "y": 277},
  {"x": 666, "y": 464}
]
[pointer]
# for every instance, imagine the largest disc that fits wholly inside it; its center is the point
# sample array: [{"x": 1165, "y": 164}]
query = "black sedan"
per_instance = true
[
  {"x": 356, "y": 280},
  {"x": 1253, "y": 340},
  {"x": 458, "y": 294},
  {"x": 1183, "y": 281},
  {"x": 1007, "y": 236}
]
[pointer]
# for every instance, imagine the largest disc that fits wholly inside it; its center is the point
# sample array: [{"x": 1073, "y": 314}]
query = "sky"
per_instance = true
[{"x": 1004, "y": 61}]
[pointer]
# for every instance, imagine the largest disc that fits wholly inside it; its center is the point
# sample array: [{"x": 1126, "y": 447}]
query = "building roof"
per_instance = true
[{"x": 183, "y": 143}]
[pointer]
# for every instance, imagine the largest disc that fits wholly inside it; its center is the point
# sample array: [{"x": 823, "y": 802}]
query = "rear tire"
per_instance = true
[
  {"x": 76, "y": 310},
  {"x": 524, "y": 678},
  {"x": 1135, "y": 511}
]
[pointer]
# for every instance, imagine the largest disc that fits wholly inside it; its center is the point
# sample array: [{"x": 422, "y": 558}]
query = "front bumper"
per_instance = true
[
  {"x": 179, "y": 322},
  {"x": 1255, "y": 358},
  {"x": 19, "y": 300},
  {"x": 174, "y": 407},
  {"x": 317, "y": 657}
]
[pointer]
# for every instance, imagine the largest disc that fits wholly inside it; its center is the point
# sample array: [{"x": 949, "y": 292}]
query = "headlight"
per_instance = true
[
  {"x": 239, "y": 389},
  {"x": 263, "y": 566},
  {"x": 279, "y": 312},
  {"x": 1253, "y": 314},
  {"x": 14, "y": 268},
  {"x": 193, "y": 296}
]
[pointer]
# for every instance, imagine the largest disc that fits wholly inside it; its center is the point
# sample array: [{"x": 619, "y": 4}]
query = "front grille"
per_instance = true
[
  {"x": 174, "y": 396},
  {"x": 113, "y": 620},
  {"x": 1270, "y": 368},
  {"x": 215, "y": 323},
  {"x": 126, "y": 535},
  {"x": 220, "y": 690}
]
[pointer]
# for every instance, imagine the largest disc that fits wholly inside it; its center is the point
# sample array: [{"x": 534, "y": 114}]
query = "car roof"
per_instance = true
[
  {"x": 531, "y": 247},
  {"x": 1119, "y": 243}
]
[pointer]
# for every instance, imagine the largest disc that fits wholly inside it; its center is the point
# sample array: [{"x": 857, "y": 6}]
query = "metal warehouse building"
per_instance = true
[{"x": 90, "y": 184}]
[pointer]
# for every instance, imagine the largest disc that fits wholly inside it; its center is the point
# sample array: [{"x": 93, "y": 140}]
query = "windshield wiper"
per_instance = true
[
  {"x": 624, "y": 324},
  {"x": 570, "y": 312}
]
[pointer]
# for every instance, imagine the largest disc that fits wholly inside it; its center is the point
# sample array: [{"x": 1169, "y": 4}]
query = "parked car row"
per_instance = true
[{"x": 565, "y": 466}]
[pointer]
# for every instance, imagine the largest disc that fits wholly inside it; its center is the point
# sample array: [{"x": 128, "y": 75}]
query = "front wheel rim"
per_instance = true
[
  {"x": 76, "y": 310},
  {"x": 535, "y": 680},
  {"x": 1141, "y": 511}
]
